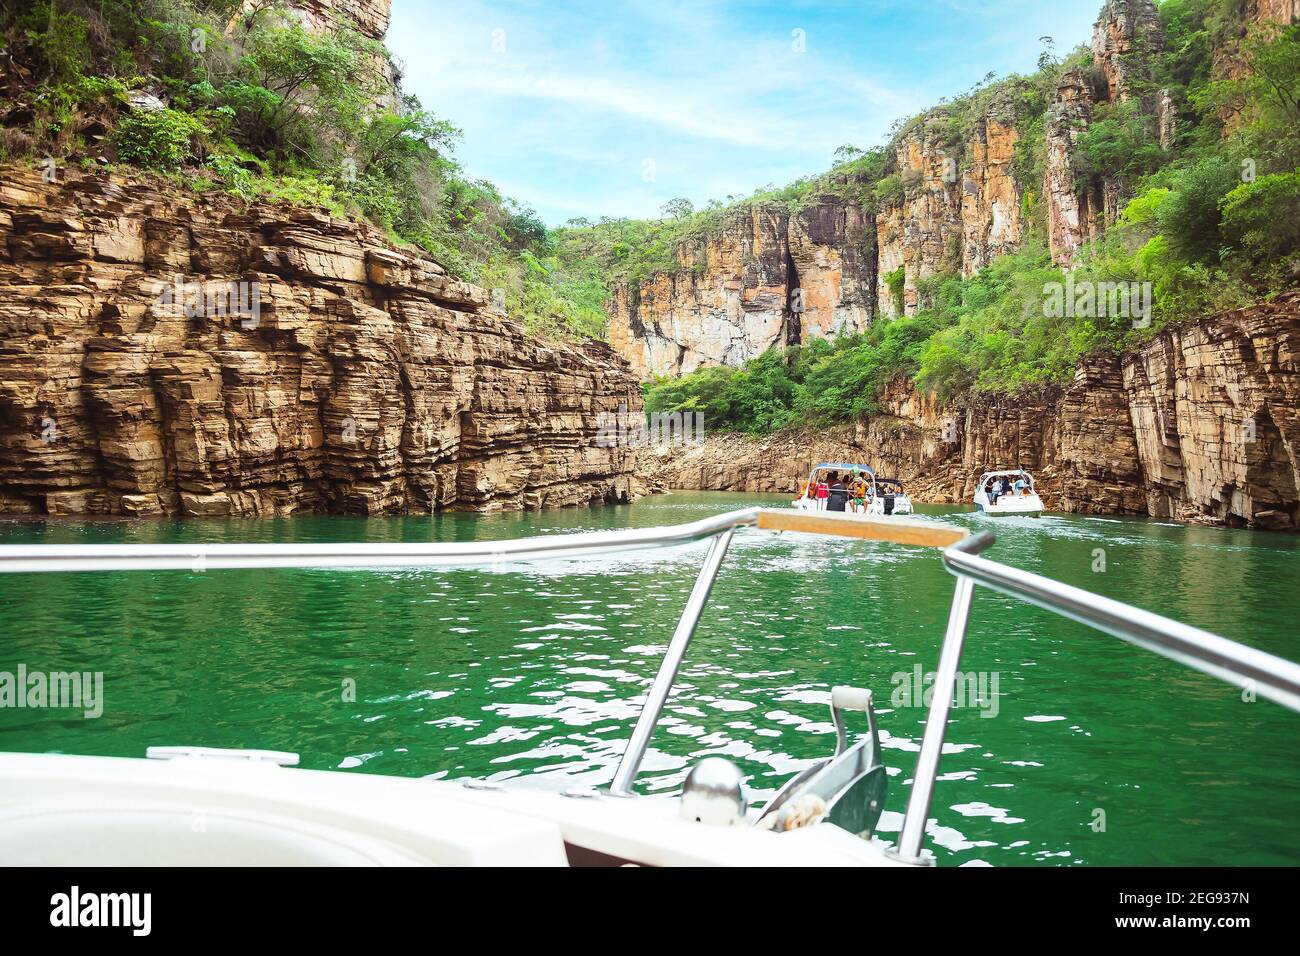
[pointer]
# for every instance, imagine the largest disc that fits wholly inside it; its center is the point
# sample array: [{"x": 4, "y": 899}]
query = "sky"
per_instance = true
[{"x": 591, "y": 109}]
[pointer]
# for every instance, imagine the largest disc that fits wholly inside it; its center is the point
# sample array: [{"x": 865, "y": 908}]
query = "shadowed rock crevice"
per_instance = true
[{"x": 793, "y": 316}]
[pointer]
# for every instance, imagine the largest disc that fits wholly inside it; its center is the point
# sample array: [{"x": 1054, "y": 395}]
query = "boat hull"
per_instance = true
[
  {"x": 66, "y": 810},
  {"x": 875, "y": 510},
  {"x": 1030, "y": 506}
]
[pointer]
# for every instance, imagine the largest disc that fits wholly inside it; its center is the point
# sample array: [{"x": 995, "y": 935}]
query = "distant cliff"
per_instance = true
[{"x": 769, "y": 276}]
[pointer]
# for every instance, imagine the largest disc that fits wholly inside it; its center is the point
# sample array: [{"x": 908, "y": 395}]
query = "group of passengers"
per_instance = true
[
  {"x": 849, "y": 491},
  {"x": 1003, "y": 487}
]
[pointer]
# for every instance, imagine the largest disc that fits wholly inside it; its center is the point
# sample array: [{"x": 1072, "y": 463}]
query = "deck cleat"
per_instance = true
[{"x": 847, "y": 788}]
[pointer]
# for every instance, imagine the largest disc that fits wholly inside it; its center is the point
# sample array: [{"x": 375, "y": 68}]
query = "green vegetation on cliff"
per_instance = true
[
  {"x": 222, "y": 94},
  {"x": 630, "y": 250},
  {"x": 241, "y": 97},
  {"x": 1210, "y": 224}
]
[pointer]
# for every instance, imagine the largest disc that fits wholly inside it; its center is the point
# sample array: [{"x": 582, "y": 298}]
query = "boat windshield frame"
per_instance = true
[
  {"x": 856, "y": 471},
  {"x": 1009, "y": 473},
  {"x": 1266, "y": 675}
]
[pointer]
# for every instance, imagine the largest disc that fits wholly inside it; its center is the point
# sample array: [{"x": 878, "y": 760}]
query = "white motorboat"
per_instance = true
[
  {"x": 197, "y": 806},
  {"x": 1009, "y": 492},
  {"x": 859, "y": 492},
  {"x": 886, "y": 496}
]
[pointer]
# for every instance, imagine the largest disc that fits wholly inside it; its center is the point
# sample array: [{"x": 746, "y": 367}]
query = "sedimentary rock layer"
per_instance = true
[
  {"x": 369, "y": 17},
  {"x": 365, "y": 380},
  {"x": 1201, "y": 425},
  {"x": 767, "y": 277}
]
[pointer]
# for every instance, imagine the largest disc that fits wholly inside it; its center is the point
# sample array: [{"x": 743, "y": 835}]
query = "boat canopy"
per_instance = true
[
  {"x": 1010, "y": 473},
  {"x": 832, "y": 466}
]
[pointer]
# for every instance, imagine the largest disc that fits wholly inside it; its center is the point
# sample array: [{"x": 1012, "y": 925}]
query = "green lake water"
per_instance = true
[{"x": 1091, "y": 752}]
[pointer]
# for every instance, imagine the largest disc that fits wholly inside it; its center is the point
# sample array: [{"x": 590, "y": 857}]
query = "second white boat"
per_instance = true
[{"x": 1008, "y": 493}]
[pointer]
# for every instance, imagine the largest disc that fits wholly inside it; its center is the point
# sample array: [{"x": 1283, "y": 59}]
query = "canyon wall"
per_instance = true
[
  {"x": 1202, "y": 425},
  {"x": 765, "y": 277},
  {"x": 773, "y": 277},
  {"x": 368, "y": 17},
  {"x": 135, "y": 379}
]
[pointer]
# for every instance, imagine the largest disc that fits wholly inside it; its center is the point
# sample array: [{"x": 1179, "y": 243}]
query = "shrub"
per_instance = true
[
  {"x": 889, "y": 191},
  {"x": 60, "y": 39},
  {"x": 1144, "y": 209},
  {"x": 1189, "y": 216},
  {"x": 298, "y": 93},
  {"x": 1264, "y": 216},
  {"x": 896, "y": 282},
  {"x": 1118, "y": 143},
  {"x": 157, "y": 139}
]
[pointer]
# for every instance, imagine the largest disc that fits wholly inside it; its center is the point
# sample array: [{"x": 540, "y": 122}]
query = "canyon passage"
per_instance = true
[{"x": 252, "y": 294}]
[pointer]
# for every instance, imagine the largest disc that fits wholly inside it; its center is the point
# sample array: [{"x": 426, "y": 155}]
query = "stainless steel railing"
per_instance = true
[
  {"x": 20, "y": 558},
  {"x": 1269, "y": 676}
]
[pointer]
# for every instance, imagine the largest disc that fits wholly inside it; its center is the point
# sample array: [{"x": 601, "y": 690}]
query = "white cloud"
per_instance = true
[{"x": 712, "y": 90}]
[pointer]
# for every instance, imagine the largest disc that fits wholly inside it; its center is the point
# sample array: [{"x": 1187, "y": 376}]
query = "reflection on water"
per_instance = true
[{"x": 536, "y": 669}]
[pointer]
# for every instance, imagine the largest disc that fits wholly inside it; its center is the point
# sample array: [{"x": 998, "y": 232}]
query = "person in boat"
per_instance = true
[
  {"x": 1020, "y": 487},
  {"x": 837, "y": 498},
  {"x": 993, "y": 490},
  {"x": 822, "y": 492},
  {"x": 858, "y": 501}
]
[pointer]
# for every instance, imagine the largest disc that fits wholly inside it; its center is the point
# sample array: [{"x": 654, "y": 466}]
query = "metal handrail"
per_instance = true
[
  {"x": 28, "y": 558},
  {"x": 1268, "y": 675},
  {"x": 1265, "y": 674}
]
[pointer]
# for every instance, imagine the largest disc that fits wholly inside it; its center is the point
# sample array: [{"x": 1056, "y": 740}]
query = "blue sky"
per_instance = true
[{"x": 612, "y": 108}]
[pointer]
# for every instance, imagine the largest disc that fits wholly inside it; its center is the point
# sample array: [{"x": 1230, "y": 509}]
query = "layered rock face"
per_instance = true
[
  {"x": 1201, "y": 425},
  {"x": 959, "y": 207},
  {"x": 167, "y": 353},
  {"x": 1216, "y": 413},
  {"x": 766, "y": 278},
  {"x": 1071, "y": 220},
  {"x": 369, "y": 17},
  {"x": 1126, "y": 36}
]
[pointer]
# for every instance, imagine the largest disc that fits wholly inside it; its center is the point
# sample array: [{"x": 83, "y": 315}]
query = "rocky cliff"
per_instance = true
[
  {"x": 765, "y": 277},
  {"x": 1202, "y": 425},
  {"x": 771, "y": 277},
  {"x": 369, "y": 17},
  {"x": 170, "y": 353}
]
